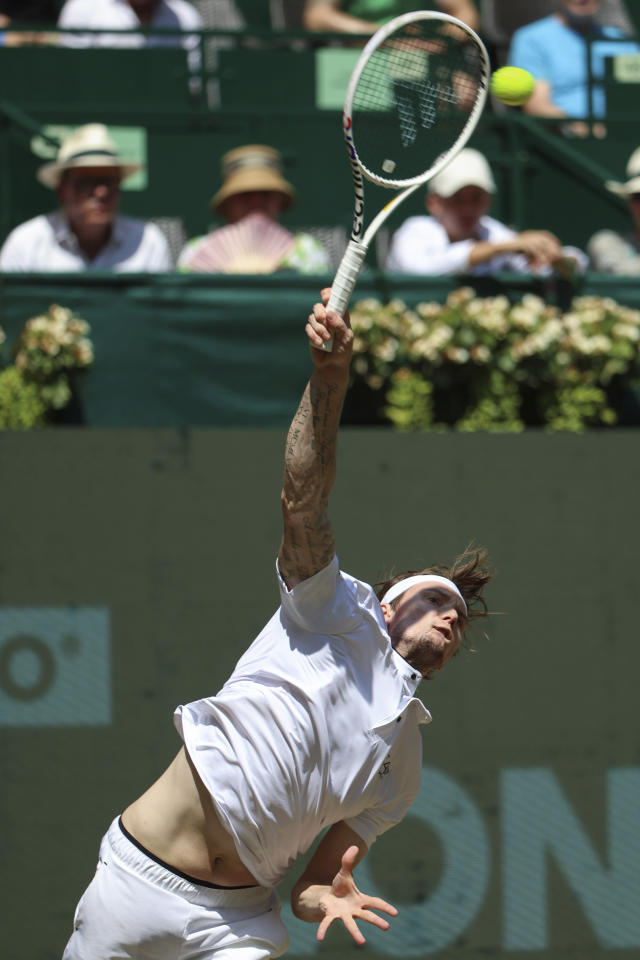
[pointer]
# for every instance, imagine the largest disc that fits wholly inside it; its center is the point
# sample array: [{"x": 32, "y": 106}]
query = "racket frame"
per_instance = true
[{"x": 358, "y": 245}]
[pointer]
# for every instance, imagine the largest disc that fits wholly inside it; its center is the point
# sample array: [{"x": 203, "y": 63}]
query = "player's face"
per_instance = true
[
  {"x": 426, "y": 626},
  {"x": 460, "y": 214},
  {"x": 90, "y": 195}
]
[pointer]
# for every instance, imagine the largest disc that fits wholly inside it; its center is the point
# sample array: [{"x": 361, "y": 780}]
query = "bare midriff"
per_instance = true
[{"x": 176, "y": 821}]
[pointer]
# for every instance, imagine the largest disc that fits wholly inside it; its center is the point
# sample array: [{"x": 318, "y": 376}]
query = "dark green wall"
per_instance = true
[{"x": 533, "y": 758}]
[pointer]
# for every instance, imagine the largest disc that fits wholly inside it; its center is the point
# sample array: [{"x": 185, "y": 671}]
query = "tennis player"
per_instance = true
[{"x": 317, "y": 728}]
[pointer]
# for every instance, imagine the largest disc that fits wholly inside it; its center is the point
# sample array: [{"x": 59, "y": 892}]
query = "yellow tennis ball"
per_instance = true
[{"x": 512, "y": 85}]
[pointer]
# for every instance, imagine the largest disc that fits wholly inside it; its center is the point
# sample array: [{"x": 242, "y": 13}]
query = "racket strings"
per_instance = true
[{"x": 414, "y": 97}]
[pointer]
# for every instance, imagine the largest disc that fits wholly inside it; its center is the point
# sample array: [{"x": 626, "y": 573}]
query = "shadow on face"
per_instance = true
[
  {"x": 90, "y": 195},
  {"x": 240, "y": 205},
  {"x": 460, "y": 213}
]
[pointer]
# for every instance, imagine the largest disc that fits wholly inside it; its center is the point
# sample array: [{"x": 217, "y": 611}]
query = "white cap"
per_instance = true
[
  {"x": 468, "y": 169},
  {"x": 632, "y": 184}
]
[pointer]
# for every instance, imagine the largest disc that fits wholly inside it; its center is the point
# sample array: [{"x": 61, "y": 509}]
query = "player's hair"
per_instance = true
[{"x": 470, "y": 572}]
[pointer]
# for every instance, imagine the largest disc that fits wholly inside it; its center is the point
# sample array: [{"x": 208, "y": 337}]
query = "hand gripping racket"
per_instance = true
[{"x": 414, "y": 99}]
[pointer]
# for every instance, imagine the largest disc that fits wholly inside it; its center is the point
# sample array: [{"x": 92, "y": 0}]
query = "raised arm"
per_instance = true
[{"x": 310, "y": 456}]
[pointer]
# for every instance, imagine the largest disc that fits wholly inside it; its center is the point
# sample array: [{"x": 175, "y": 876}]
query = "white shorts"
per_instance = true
[{"x": 137, "y": 907}]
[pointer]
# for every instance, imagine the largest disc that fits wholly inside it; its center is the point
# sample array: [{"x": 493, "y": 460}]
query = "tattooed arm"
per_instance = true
[{"x": 310, "y": 455}]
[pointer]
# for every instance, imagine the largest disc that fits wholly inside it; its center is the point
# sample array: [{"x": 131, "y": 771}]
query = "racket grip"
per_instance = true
[{"x": 344, "y": 282}]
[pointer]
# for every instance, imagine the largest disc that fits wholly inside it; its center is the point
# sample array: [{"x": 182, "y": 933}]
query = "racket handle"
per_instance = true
[{"x": 344, "y": 282}]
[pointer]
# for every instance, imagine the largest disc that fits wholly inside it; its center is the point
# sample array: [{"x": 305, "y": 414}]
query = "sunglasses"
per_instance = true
[{"x": 88, "y": 183}]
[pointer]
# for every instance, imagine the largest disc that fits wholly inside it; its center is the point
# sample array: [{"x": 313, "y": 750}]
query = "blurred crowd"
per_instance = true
[{"x": 456, "y": 234}]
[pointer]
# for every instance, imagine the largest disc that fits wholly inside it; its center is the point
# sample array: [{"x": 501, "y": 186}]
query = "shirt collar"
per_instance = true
[
  {"x": 67, "y": 239},
  {"x": 410, "y": 674}
]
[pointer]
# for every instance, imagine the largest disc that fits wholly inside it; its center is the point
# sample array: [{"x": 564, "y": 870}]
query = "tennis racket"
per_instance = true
[{"x": 413, "y": 100}]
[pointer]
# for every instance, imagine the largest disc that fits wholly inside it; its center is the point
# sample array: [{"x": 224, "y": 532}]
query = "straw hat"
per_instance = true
[
  {"x": 88, "y": 146},
  {"x": 632, "y": 184},
  {"x": 468, "y": 169},
  {"x": 254, "y": 167}
]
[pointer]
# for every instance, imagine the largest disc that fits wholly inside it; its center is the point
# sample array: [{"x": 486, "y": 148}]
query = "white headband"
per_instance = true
[{"x": 399, "y": 588}]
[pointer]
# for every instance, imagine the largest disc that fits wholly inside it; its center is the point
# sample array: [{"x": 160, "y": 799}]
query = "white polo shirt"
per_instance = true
[
  {"x": 119, "y": 15},
  {"x": 318, "y": 723},
  {"x": 47, "y": 244},
  {"x": 421, "y": 245}
]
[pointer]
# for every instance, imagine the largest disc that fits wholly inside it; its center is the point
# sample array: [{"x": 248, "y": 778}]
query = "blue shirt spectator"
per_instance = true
[{"x": 554, "y": 50}]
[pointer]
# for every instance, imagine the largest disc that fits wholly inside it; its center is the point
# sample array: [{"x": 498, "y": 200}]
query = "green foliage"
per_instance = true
[
  {"x": 49, "y": 350},
  {"x": 20, "y": 405},
  {"x": 487, "y": 364},
  {"x": 409, "y": 400}
]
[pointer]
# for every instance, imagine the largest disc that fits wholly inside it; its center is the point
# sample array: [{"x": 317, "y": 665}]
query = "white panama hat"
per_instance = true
[
  {"x": 632, "y": 184},
  {"x": 468, "y": 169},
  {"x": 88, "y": 146}
]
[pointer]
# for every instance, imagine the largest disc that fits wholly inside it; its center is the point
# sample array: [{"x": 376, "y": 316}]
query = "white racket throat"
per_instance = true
[{"x": 413, "y": 105}]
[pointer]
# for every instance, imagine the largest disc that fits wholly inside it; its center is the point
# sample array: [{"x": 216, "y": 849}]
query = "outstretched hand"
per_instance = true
[
  {"x": 343, "y": 901},
  {"x": 323, "y": 324}
]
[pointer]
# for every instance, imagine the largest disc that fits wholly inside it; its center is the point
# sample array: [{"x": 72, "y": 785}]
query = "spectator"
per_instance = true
[
  {"x": 127, "y": 15},
  {"x": 42, "y": 12},
  {"x": 31, "y": 11},
  {"x": 460, "y": 237},
  {"x": 86, "y": 233},
  {"x": 365, "y": 16},
  {"x": 610, "y": 252},
  {"x": 554, "y": 49},
  {"x": 253, "y": 196}
]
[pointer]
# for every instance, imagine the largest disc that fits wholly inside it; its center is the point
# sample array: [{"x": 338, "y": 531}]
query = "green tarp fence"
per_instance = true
[{"x": 174, "y": 351}]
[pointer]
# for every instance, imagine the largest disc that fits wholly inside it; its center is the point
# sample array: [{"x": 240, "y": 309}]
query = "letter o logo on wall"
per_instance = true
[{"x": 45, "y": 673}]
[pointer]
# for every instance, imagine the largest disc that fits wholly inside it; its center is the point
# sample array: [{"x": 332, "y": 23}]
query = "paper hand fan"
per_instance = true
[{"x": 255, "y": 244}]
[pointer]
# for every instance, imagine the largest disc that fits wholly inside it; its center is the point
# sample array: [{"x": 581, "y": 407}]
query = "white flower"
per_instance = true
[
  {"x": 60, "y": 314},
  {"x": 626, "y": 332},
  {"x": 456, "y": 354},
  {"x": 460, "y": 297},
  {"x": 37, "y": 324},
  {"x": 387, "y": 350},
  {"x": 49, "y": 346},
  {"x": 524, "y": 317},
  {"x": 429, "y": 310},
  {"x": 480, "y": 353},
  {"x": 84, "y": 352},
  {"x": 494, "y": 321}
]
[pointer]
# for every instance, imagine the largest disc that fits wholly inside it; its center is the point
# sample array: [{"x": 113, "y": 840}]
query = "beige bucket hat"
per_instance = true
[
  {"x": 632, "y": 184},
  {"x": 254, "y": 167},
  {"x": 88, "y": 146}
]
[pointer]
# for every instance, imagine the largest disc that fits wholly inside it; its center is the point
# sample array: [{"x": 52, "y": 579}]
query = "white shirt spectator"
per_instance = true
[
  {"x": 47, "y": 244},
  {"x": 421, "y": 245},
  {"x": 119, "y": 15}
]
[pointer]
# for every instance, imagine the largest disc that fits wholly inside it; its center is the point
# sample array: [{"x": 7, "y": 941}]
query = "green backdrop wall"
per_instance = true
[{"x": 137, "y": 565}]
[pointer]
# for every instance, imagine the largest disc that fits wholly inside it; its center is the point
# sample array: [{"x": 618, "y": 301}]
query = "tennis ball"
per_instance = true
[{"x": 512, "y": 85}]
